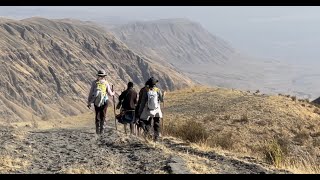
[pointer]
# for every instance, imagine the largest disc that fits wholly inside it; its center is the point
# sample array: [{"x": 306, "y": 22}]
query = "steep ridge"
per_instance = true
[
  {"x": 177, "y": 41},
  {"x": 212, "y": 61},
  {"x": 48, "y": 65}
]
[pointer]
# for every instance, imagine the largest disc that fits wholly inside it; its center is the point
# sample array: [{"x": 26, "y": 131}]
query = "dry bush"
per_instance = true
[
  {"x": 294, "y": 98},
  {"x": 45, "y": 117},
  {"x": 226, "y": 117},
  {"x": 208, "y": 118},
  {"x": 243, "y": 119},
  {"x": 190, "y": 130},
  {"x": 301, "y": 137},
  {"x": 170, "y": 129},
  {"x": 225, "y": 141},
  {"x": 193, "y": 131},
  {"x": 274, "y": 153},
  {"x": 316, "y": 110}
]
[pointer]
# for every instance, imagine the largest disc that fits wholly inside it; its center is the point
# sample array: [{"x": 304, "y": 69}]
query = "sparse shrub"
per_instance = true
[
  {"x": 317, "y": 134},
  {"x": 294, "y": 98},
  {"x": 301, "y": 137},
  {"x": 316, "y": 110},
  {"x": 261, "y": 123},
  {"x": 273, "y": 153},
  {"x": 170, "y": 129},
  {"x": 257, "y": 91},
  {"x": 307, "y": 100},
  {"x": 244, "y": 118},
  {"x": 208, "y": 118},
  {"x": 303, "y": 105},
  {"x": 190, "y": 130},
  {"x": 225, "y": 141},
  {"x": 45, "y": 117},
  {"x": 226, "y": 117},
  {"x": 311, "y": 126},
  {"x": 316, "y": 142}
]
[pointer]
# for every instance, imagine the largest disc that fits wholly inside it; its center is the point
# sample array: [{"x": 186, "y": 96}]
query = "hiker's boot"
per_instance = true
[
  {"x": 97, "y": 129},
  {"x": 147, "y": 136},
  {"x": 101, "y": 131},
  {"x": 155, "y": 139}
]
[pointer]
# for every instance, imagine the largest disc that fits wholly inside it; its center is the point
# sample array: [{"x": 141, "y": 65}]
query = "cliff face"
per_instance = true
[
  {"x": 177, "y": 41},
  {"x": 47, "y": 67}
]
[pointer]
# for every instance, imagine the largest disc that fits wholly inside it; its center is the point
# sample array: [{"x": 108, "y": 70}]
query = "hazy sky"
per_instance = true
[{"x": 289, "y": 33}]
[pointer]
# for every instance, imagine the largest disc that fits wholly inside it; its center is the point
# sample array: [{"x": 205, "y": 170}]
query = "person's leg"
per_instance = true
[
  {"x": 145, "y": 125},
  {"x": 125, "y": 127},
  {"x": 97, "y": 123},
  {"x": 148, "y": 124},
  {"x": 103, "y": 113},
  {"x": 156, "y": 127},
  {"x": 131, "y": 128}
]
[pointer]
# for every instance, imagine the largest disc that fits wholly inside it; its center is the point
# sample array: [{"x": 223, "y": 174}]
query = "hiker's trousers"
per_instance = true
[
  {"x": 146, "y": 125},
  {"x": 100, "y": 119}
]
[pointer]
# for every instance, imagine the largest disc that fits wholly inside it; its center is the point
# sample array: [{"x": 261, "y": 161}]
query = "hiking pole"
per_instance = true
[
  {"x": 162, "y": 130},
  {"x": 114, "y": 109}
]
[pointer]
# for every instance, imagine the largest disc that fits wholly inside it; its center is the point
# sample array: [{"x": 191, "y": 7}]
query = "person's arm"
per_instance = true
[
  {"x": 160, "y": 96},
  {"x": 135, "y": 100},
  {"x": 109, "y": 90},
  {"x": 139, "y": 99},
  {"x": 90, "y": 96},
  {"x": 143, "y": 101},
  {"x": 121, "y": 97}
]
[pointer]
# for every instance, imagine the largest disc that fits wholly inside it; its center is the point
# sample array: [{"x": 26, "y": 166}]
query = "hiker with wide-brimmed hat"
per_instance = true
[
  {"x": 149, "y": 108},
  {"x": 98, "y": 95}
]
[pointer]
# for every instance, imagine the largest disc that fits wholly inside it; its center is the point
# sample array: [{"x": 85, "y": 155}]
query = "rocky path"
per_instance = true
[{"x": 81, "y": 151}]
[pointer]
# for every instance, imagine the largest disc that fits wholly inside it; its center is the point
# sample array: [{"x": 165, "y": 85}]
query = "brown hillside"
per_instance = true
[{"x": 47, "y": 66}]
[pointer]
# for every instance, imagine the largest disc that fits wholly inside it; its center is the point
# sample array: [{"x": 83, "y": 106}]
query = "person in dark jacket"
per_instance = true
[
  {"x": 145, "y": 114},
  {"x": 128, "y": 101}
]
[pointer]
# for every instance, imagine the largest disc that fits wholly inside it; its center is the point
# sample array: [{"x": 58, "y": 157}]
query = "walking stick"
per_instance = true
[
  {"x": 162, "y": 130},
  {"x": 114, "y": 110}
]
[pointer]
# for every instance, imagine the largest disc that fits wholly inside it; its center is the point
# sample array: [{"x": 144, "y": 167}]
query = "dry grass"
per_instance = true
[
  {"x": 7, "y": 164},
  {"x": 274, "y": 153},
  {"x": 304, "y": 166},
  {"x": 225, "y": 141},
  {"x": 301, "y": 137},
  {"x": 190, "y": 130},
  {"x": 241, "y": 123},
  {"x": 79, "y": 170}
]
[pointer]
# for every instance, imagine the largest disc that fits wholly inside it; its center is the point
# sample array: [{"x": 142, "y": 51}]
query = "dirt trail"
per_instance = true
[{"x": 79, "y": 150}]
